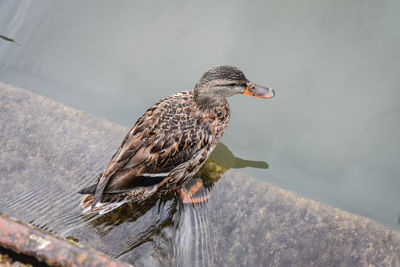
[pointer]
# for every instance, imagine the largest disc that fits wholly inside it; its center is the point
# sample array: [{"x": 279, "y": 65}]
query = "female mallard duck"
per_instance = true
[{"x": 171, "y": 141}]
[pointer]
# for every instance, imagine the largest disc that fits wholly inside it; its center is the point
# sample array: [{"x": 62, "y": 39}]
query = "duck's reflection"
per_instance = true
[{"x": 171, "y": 211}]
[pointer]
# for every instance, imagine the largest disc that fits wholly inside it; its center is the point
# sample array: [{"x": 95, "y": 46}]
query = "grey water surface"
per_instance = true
[{"x": 332, "y": 131}]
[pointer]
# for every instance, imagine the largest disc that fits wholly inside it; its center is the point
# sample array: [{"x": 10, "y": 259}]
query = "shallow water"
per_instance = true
[
  {"x": 161, "y": 231},
  {"x": 331, "y": 133}
]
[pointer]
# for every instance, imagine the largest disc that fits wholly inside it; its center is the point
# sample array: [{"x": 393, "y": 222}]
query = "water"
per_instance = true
[
  {"x": 161, "y": 231},
  {"x": 330, "y": 134}
]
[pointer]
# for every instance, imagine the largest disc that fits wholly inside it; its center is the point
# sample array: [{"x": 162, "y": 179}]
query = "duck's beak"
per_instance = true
[{"x": 258, "y": 91}]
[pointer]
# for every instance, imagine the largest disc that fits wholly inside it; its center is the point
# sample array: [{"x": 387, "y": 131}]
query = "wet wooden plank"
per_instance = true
[{"x": 47, "y": 248}]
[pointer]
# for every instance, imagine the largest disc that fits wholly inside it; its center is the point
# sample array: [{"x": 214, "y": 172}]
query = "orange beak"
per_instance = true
[{"x": 258, "y": 91}]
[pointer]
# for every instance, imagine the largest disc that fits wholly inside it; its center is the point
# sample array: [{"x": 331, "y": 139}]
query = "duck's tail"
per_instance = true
[
  {"x": 89, "y": 192},
  {"x": 87, "y": 200},
  {"x": 100, "y": 207}
]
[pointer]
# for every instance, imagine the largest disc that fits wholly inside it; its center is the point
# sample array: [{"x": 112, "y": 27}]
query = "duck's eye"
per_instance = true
[{"x": 229, "y": 84}]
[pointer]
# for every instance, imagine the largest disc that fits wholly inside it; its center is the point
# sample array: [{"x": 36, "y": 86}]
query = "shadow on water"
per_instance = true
[{"x": 176, "y": 233}]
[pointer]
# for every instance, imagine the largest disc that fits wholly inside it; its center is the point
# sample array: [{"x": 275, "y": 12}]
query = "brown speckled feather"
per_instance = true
[{"x": 172, "y": 140}]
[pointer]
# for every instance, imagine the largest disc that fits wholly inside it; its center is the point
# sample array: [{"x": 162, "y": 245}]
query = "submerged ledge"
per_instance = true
[{"x": 253, "y": 222}]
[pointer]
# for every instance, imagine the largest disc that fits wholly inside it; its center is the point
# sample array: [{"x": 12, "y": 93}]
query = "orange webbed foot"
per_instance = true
[{"x": 188, "y": 196}]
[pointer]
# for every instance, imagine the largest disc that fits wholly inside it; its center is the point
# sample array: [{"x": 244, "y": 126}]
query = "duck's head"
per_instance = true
[{"x": 221, "y": 82}]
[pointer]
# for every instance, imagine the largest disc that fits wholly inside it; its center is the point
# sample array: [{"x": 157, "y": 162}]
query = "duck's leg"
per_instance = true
[{"x": 188, "y": 196}]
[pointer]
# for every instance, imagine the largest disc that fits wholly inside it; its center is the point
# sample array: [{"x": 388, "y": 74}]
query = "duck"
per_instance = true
[{"x": 170, "y": 142}]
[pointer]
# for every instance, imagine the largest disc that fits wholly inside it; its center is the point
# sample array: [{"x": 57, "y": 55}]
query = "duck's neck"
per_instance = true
[{"x": 206, "y": 101}]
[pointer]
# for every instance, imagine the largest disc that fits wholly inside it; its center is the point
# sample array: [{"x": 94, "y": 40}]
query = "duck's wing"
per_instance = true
[{"x": 163, "y": 138}]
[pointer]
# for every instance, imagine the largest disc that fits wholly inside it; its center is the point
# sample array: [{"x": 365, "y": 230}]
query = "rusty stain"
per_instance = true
[{"x": 81, "y": 258}]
